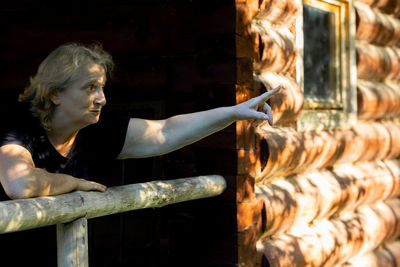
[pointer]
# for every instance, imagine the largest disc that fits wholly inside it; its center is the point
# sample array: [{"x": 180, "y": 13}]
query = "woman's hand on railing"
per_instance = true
[{"x": 85, "y": 185}]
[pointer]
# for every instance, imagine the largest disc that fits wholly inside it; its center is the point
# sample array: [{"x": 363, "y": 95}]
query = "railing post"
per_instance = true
[{"x": 72, "y": 244}]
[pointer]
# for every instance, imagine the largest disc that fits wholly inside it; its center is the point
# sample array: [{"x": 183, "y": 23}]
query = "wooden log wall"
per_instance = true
[
  {"x": 333, "y": 242},
  {"x": 172, "y": 57},
  {"x": 317, "y": 195},
  {"x": 386, "y": 255},
  {"x": 266, "y": 38},
  {"x": 326, "y": 197}
]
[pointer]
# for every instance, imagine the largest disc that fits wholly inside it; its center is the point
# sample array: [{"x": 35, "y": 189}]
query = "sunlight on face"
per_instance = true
[
  {"x": 81, "y": 102},
  {"x": 98, "y": 73}
]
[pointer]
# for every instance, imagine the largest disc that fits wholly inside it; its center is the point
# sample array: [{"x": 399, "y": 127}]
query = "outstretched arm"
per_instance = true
[
  {"x": 147, "y": 138},
  {"x": 21, "y": 179}
]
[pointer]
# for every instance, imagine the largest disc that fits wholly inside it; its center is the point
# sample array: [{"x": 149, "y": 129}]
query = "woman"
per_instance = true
[{"x": 63, "y": 141}]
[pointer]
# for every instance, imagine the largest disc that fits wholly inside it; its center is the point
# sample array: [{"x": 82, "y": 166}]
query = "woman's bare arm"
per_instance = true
[
  {"x": 21, "y": 179},
  {"x": 147, "y": 138}
]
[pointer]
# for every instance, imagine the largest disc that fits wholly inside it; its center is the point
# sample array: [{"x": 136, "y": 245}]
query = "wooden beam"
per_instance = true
[
  {"x": 283, "y": 12},
  {"x": 385, "y": 62},
  {"x": 377, "y": 100},
  {"x": 290, "y": 152},
  {"x": 72, "y": 244},
  {"x": 385, "y": 6},
  {"x": 387, "y": 255},
  {"x": 375, "y": 27},
  {"x": 288, "y": 103},
  {"x": 320, "y": 195},
  {"x": 333, "y": 242},
  {"x": 277, "y": 50},
  {"x": 17, "y": 215}
]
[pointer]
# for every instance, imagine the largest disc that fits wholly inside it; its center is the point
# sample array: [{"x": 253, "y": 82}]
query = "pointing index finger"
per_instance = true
[{"x": 271, "y": 93}]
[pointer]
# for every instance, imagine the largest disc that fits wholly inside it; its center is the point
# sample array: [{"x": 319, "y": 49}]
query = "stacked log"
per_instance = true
[
  {"x": 383, "y": 6},
  {"x": 377, "y": 100},
  {"x": 333, "y": 242},
  {"x": 276, "y": 50},
  {"x": 376, "y": 28},
  {"x": 266, "y": 40},
  {"x": 291, "y": 152},
  {"x": 378, "y": 42},
  {"x": 325, "y": 197},
  {"x": 301, "y": 199},
  {"x": 387, "y": 255},
  {"x": 386, "y": 62},
  {"x": 287, "y": 105},
  {"x": 282, "y": 13}
]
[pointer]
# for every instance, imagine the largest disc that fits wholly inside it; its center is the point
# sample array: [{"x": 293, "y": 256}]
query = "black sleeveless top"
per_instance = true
[{"x": 96, "y": 145}]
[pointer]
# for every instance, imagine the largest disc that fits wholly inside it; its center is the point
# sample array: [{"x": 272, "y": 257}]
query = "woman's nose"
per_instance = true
[{"x": 100, "y": 97}]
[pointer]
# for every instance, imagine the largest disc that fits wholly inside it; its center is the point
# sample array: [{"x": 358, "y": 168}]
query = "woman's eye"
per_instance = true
[{"x": 90, "y": 88}]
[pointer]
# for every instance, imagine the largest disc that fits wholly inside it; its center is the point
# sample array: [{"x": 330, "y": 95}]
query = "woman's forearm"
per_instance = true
[
  {"x": 21, "y": 179},
  {"x": 38, "y": 182},
  {"x": 185, "y": 129}
]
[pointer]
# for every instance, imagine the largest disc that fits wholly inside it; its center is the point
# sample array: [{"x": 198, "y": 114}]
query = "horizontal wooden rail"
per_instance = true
[{"x": 24, "y": 214}]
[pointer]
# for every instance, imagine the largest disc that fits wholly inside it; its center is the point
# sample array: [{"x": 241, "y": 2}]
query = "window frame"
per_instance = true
[{"x": 342, "y": 111}]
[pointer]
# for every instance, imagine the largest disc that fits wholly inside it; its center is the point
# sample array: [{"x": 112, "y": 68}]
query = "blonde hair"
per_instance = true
[{"x": 58, "y": 70}]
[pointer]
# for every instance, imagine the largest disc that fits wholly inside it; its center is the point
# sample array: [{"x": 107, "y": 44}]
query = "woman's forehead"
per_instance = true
[
  {"x": 96, "y": 69},
  {"x": 92, "y": 73}
]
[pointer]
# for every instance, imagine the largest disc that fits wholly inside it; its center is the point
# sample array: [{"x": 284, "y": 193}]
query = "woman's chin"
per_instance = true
[
  {"x": 96, "y": 120},
  {"x": 93, "y": 119}
]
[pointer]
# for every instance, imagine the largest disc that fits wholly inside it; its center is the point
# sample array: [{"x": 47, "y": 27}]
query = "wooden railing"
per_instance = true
[{"x": 71, "y": 211}]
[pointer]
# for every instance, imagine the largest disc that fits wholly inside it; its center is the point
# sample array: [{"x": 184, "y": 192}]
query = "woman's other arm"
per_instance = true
[{"x": 21, "y": 179}]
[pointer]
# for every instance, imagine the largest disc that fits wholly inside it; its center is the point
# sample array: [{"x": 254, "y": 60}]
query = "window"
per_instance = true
[{"x": 326, "y": 71}]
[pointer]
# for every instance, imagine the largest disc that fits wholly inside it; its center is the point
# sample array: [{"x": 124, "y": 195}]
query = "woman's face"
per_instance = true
[{"x": 81, "y": 102}]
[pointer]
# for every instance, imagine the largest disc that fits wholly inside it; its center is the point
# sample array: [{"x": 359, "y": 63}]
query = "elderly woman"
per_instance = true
[{"x": 62, "y": 140}]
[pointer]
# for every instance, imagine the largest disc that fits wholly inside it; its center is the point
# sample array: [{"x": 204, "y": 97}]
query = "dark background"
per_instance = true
[{"x": 172, "y": 57}]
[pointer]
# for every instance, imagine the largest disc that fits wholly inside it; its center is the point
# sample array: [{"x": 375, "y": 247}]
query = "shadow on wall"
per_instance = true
[
  {"x": 332, "y": 242},
  {"x": 320, "y": 195},
  {"x": 291, "y": 152},
  {"x": 377, "y": 100},
  {"x": 385, "y": 62}
]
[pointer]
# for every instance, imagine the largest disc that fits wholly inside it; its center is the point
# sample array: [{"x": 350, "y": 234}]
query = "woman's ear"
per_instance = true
[{"x": 55, "y": 98}]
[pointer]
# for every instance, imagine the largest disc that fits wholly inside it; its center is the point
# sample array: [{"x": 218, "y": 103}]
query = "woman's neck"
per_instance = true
[{"x": 62, "y": 139}]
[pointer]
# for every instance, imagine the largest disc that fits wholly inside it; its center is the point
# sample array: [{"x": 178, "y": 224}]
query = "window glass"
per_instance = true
[{"x": 319, "y": 71}]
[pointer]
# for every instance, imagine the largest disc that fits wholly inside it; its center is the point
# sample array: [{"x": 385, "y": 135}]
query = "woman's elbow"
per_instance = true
[
  {"x": 15, "y": 195},
  {"x": 18, "y": 190}
]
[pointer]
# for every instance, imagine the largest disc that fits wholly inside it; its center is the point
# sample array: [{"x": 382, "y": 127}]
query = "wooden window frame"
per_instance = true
[{"x": 342, "y": 111}]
